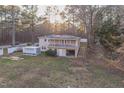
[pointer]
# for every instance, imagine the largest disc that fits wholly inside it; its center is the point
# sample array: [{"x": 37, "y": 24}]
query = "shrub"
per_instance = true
[
  {"x": 29, "y": 44},
  {"x": 51, "y": 52}
]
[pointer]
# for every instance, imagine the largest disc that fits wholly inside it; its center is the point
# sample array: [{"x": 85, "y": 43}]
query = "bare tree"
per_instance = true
[{"x": 87, "y": 14}]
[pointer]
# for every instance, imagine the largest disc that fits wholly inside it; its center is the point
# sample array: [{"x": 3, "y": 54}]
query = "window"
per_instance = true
[
  {"x": 73, "y": 42},
  {"x": 65, "y": 42},
  {"x": 43, "y": 47},
  {"x": 45, "y": 40},
  {"x": 62, "y": 41}
]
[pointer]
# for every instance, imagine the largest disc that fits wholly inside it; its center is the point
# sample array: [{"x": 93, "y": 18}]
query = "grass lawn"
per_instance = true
[{"x": 42, "y": 71}]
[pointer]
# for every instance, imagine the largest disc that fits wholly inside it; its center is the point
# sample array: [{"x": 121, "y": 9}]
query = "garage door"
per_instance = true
[{"x": 61, "y": 52}]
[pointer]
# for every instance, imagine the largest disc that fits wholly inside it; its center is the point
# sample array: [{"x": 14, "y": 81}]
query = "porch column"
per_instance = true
[{"x": 76, "y": 52}]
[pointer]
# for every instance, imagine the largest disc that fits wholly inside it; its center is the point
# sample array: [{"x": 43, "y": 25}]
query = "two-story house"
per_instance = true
[{"x": 65, "y": 45}]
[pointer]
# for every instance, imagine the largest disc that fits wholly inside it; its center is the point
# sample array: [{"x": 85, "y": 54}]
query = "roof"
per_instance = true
[{"x": 62, "y": 36}]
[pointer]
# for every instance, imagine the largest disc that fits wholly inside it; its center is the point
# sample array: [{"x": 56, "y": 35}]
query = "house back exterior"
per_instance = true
[{"x": 65, "y": 45}]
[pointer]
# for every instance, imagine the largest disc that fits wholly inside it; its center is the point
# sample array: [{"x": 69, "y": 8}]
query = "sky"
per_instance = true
[{"x": 53, "y": 18}]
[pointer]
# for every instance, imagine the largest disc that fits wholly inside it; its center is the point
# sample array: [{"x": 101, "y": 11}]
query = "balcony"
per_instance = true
[
  {"x": 62, "y": 46},
  {"x": 68, "y": 44}
]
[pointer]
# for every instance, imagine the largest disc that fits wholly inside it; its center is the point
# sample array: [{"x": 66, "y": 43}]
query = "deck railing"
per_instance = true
[{"x": 62, "y": 46}]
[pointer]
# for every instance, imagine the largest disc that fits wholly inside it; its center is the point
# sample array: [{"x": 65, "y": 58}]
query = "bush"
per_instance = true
[
  {"x": 29, "y": 44},
  {"x": 51, "y": 52}
]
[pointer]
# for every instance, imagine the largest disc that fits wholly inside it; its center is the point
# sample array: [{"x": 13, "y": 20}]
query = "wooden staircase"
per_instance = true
[{"x": 82, "y": 50}]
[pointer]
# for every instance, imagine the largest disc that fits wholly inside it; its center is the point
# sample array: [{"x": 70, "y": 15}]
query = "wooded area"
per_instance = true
[{"x": 19, "y": 21}]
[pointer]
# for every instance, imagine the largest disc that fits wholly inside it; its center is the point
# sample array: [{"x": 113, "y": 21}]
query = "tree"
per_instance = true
[
  {"x": 108, "y": 30},
  {"x": 11, "y": 18},
  {"x": 30, "y": 18},
  {"x": 48, "y": 16},
  {"x": 69, "y": 21},
  {"x": 86, "y": 14}
]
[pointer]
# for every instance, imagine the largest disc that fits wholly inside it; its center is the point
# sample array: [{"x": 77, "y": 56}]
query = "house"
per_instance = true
[{"x": 65, "y": 45}]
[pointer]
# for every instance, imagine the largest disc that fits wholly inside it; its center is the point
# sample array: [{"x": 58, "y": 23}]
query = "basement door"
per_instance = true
[{"x": 70, "y": 52}]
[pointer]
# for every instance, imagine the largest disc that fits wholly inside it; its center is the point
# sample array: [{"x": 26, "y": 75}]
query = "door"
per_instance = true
[{"x": 70, "y": 52}]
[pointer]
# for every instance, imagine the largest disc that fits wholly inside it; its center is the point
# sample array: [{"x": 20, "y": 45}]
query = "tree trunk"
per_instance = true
[
  {"x": 90, "y": 30},
  {"x": 13, "y": 27},
  {"x": 32, "y": 26}
]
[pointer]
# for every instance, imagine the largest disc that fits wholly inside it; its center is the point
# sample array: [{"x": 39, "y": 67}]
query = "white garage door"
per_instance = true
[{"x": 61, "y": 52}]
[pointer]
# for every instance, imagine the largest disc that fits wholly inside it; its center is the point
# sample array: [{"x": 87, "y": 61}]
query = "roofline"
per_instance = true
[{"x": 75, "y": 37}]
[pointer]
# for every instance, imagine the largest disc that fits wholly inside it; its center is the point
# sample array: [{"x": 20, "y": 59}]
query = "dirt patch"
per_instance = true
[
  {"x": 78, "y": 69},
  {"x": 14, "y": 58}
]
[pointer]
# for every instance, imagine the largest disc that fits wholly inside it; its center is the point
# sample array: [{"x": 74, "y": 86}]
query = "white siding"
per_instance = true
[
  {"x": 31, "y": 50},
  {"x": 12, "y": 50},
  {"x": 43, "y": 43},
  {"x": 1, "y": 51},
  {"x": 83, "y": 40}
]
